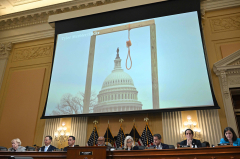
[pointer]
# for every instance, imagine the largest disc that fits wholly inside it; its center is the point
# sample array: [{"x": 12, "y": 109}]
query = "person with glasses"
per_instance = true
[
  {"x": 129, "y": 144},
  {"x": 101, "y": 142},
  {"x": 190, "y": 141}
]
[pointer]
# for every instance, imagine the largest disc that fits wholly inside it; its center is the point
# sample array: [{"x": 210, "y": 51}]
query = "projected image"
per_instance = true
[
  {"x": 151, "y": 64},
  {"x": 122, "y": 73}
]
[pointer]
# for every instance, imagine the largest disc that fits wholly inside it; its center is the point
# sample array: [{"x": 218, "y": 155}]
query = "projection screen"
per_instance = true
[{"x": 143, "y": 65}]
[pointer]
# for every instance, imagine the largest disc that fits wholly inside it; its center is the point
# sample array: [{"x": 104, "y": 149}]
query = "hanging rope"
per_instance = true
[{"x": 128, "y": 45}]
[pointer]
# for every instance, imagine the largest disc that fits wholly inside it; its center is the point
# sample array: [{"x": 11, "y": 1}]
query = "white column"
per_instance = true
[
  {"x": 227, "y": 100},
  {"x": 5, "y": 50},
  {"x": 87, "y": 94}
]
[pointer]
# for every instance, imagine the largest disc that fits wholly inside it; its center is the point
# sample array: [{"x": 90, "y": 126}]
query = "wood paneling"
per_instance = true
[
  {"x": 228, "y": 49},
  {"x": 229, "y": 152},
  {"x": 21, "y": 106},
  {"x": 219, "y": 30},
  {"x": 23, "y": 92}
]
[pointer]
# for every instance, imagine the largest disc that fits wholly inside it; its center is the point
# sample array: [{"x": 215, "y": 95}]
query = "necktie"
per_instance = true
[{"x": 45, "y": 150}]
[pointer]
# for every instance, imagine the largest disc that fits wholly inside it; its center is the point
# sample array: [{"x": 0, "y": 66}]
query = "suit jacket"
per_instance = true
[
  {"x": 194, "y": 142},
  {"x": 133, "y": 148},
  {"x": 19, "y": 149},
  {"x": 235, "y": 143},
  {"x": 65, "y": 148},
  {"x": 50, "y": 148},
  {"x": 164, "y": 146}
]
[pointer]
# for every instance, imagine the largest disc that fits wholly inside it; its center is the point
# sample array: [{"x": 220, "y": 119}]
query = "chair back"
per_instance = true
[
  {"x": 152, "y": 147},
  {"x": 119, "y": 148},
  {"x": 141, "y": 147},
  {"x": 204, "y": 144},
  {"x": 108, "y": 144},
  {"x": 29, "y": 148},
  {"x": 171, "y": 146},
  {"x": 57, "y": 149}
]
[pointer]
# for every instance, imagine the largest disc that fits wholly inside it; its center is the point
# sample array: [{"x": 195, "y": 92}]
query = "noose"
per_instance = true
[{"x": 128, "y": 45}]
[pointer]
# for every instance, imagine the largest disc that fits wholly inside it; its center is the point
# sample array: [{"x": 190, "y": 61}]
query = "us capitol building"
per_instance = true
[{"x": 118, "y": 92}]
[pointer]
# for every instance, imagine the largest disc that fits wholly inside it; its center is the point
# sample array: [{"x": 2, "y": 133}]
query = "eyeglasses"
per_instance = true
[
  {"x": 129, "y": 142},
  {"x": 100, "y": 140}
]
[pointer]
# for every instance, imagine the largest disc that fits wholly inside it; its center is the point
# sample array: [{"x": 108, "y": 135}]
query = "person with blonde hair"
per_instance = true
[
  {"x": 16, "y": 146},
  {"x": 129, "y": 144}
]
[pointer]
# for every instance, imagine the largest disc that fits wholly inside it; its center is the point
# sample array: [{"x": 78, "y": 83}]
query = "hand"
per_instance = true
[{"x": 189, "y": 142}]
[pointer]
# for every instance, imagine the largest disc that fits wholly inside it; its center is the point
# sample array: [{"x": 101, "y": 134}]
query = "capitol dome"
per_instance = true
[
  {"x": 116, "y": 78},
  {"x": 118, "y": 92}
]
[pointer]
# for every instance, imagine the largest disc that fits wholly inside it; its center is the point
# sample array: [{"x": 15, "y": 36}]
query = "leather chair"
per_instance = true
[
  {"x": 57, "y": 149},
  {"x": 204, "y": 144},
  {"x": 141, "y": 147},
  {"x": 150, "y": 147},
  {"x": 29, "y": 148},
  {"x": 171, "y": 146}
]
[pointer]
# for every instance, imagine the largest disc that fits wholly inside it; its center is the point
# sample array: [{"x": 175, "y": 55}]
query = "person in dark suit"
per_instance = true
[
  {"x": 48, "y": 147},
  {"x": 190, "y": 141},
  {"x": 129, "y": 144},
  {"x": 158, "y": 144},
  {"x": 206, "y": 143},
  {"x": 71, "y": 143}
]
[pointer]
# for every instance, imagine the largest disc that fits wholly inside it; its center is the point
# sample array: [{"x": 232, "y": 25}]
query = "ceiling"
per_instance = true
[{"x": 13, "y": 6}]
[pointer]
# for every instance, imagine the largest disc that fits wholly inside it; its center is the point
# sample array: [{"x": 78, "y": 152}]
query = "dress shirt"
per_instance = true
[
  {"x": 46, "y": 148},
  {"x": 159, "y": 146}
]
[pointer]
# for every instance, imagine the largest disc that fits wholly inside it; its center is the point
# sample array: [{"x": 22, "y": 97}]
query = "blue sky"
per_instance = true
[{"x": 182, "y": 74}]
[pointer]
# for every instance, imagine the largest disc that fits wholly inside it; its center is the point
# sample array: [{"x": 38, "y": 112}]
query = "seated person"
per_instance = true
[
  {"x": 230, "y": 137},
  {"x": 157, "y": 142},
  {"x": 190, "y": 141},
  {"x": 207, "y": 143},
  {"x": 48, "y": 147},
  {"x": 71, "y": 142},
  {"x": 101, "y": 142},
  {"x": 129, "y": 144},
  {"x": 178, "y": 144},
  {"x": 16, "y": 146}
]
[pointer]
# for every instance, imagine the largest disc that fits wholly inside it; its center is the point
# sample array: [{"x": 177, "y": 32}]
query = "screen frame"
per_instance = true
[{"x": 163, "y": 8}]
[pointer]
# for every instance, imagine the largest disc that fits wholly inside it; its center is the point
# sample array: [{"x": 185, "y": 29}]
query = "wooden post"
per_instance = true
[{"x": 87, "y": 95}]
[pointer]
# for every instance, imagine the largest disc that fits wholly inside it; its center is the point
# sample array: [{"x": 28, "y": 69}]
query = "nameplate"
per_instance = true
[
  {"x": 86, "y": 153},
  {"x": 224, "y": 144}
]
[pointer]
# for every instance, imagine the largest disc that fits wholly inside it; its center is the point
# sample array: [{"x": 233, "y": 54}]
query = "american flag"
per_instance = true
[
  {"x": 147, "y": 137},
  {"x": 94, "y": 135},
  {"x": 134, "y": 133},
  {"x": 108, "y": 136},
  {"x": 120, "y": 138}
]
